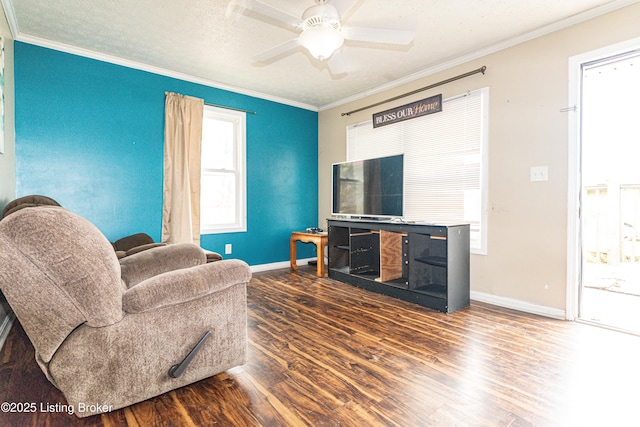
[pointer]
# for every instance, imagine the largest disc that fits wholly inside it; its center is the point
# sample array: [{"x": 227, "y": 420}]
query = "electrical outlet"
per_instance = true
[{"x": 227, "y": 248}]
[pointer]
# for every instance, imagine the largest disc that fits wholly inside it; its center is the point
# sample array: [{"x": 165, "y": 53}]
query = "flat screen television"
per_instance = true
[{"x": 369, "y": 188}]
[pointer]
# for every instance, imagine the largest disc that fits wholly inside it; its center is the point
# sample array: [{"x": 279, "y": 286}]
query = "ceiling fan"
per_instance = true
[{"x": 322, "y": 33}]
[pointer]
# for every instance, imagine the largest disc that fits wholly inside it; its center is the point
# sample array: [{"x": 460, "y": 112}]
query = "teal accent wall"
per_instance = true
[{"x": 90, "y": 134}]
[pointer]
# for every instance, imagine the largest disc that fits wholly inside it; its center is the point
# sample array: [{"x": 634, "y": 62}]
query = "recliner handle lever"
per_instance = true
[{"x": 176, "y": 370}]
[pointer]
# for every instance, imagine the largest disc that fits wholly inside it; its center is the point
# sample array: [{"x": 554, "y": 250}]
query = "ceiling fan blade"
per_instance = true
[
  {"x": 343, "y": 6},
  {"x": 336, "y": 63},
  {"x": 277, "y": 51},
  {"x": 256, "y": 6},
  {"x": 378, "y": 35},
  {"x": 234, "y": 9}
]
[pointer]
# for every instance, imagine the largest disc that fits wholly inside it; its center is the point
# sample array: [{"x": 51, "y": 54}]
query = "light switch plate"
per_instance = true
[{"x": 539, "y": 173}]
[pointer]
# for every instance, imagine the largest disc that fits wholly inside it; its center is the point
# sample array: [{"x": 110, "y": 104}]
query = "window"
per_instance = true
[
  {"x": 445, "y": 161},
  {"x": 222, "y": 186}
]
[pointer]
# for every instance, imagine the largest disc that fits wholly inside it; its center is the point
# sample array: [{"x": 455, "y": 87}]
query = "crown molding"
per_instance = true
[
  {"x": 551, "y": 28},
  {"x": 10, "y": 14},
  {"x": 9, "y": 11},
  {"x": 155, "y": 70}
]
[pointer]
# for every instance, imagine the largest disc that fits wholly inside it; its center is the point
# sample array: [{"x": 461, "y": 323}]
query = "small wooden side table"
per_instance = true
[{"x": 320, "y": 239}]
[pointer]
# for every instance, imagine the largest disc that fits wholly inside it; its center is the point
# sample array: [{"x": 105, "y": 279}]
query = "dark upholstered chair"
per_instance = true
[
  {"x": 107, "y": 332},
  {"x": 125, "y": 246},
  {"x": 139, "y": 242},
  {"x": 27, "y": 202},
  {"x": 133, "y": 244}
]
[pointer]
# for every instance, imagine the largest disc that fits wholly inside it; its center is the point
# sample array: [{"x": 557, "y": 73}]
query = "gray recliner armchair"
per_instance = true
[{"x": 111, "y": 333}]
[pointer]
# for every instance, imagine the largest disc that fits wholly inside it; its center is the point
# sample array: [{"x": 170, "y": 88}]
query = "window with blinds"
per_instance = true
[{"x": 445, "y": 161}]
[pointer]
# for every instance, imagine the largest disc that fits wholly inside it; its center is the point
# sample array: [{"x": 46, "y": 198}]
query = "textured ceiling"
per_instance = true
[{"x": 201, "y": 39}]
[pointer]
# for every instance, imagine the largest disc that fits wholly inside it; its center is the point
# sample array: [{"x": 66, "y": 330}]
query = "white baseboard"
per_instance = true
[
  {"x": 6, "y": 327},
  {"x": 519, "y": 305},
  {"x": 510, "y": 303},
  {"x": 278, "y": 265}
]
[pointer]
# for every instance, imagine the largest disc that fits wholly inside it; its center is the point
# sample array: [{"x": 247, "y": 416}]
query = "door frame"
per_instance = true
[{"x": 574, "y": 179}]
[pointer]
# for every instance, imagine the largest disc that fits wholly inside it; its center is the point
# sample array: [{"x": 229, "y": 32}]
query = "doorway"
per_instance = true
[{"x": 609, "y": 190}]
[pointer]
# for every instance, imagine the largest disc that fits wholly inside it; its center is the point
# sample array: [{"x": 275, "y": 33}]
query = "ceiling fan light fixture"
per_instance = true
[
  {"x": 321, "y": 30},
  {"x": 321, "y": 41},
  {"x": 321, "y": 33}
]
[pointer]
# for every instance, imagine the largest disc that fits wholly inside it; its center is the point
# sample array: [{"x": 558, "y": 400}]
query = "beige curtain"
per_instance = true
[{"x": 182, "y": 146}]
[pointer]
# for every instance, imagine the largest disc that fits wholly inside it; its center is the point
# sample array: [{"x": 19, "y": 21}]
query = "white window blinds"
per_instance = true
[{"x": 445, "y": 161}]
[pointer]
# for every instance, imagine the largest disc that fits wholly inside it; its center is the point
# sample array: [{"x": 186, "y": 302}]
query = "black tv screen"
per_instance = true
[{"x": 369, "y": 188}]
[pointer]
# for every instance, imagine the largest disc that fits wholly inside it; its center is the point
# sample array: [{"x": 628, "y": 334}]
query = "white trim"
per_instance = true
[
  {"x": 557, "y": 26},
  {"x": 484, "y": 177},
  {"x": 155, "y": 70},
  {"x": 573, "y": 191},
  {"x": 239, "y": 170},
  {"x": 365, "y": 141},
  {"x": 5, "y": 328},
  {"x": 278, "y": 265},
  {"x": 510, "y": 303},
  {"x": 564, "y": 23},
  {"x": 10, "y": 14},
  {"x": 573, "y": 167},
  {"x": 519, "y": 305}
]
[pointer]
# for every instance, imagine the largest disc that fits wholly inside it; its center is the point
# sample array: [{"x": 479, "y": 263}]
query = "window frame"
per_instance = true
[
  {"x": 238, "y": 118},
  {"x": 396, "y": 139}
]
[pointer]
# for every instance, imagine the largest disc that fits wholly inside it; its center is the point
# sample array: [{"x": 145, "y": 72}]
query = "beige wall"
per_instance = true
[
  {"x": 527, "y": 231},
  {"x": 8, "y": 158}
]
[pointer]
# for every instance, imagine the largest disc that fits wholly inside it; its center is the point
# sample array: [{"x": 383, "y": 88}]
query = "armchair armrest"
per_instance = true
[
  {"x": 179, "y": 286},
  {"x": 122, "y": 254},
  {"x": 144, "y": 248},
  {"x": 139, "y": 267}
]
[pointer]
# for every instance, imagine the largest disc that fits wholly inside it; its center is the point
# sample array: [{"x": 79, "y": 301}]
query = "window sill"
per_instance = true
[{"x": 222, "y": 230}]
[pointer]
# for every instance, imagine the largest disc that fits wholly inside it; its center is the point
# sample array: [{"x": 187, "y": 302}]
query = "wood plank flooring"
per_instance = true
[{"x": 324, "y": 353}]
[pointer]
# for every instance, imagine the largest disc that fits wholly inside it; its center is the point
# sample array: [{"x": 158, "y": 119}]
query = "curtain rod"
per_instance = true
[
  {"x": 218, "y": 105},
  {"x": 230, "y": 108},
  {"x": 443, "y": 82}
]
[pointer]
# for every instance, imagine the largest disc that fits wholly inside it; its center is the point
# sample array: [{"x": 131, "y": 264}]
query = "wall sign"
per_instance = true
[{"x": 410, "y": 111}]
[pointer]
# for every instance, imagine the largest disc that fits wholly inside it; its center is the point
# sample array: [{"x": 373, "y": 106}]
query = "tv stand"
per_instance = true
[{"x": 427, "y": 264}]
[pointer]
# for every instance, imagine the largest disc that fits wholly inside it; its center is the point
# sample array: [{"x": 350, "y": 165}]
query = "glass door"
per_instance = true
[{"x": 610, "y": 194}]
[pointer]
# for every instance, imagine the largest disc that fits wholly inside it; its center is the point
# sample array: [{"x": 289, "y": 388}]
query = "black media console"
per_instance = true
[{"x": 427, "y": 264}]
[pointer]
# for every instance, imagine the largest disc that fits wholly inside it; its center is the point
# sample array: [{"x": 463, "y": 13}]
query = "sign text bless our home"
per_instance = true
[{"x": 410, "y": 111}]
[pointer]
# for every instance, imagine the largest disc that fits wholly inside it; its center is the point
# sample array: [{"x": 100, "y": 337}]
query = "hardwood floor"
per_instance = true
[{"x": 323, "y": 353}]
